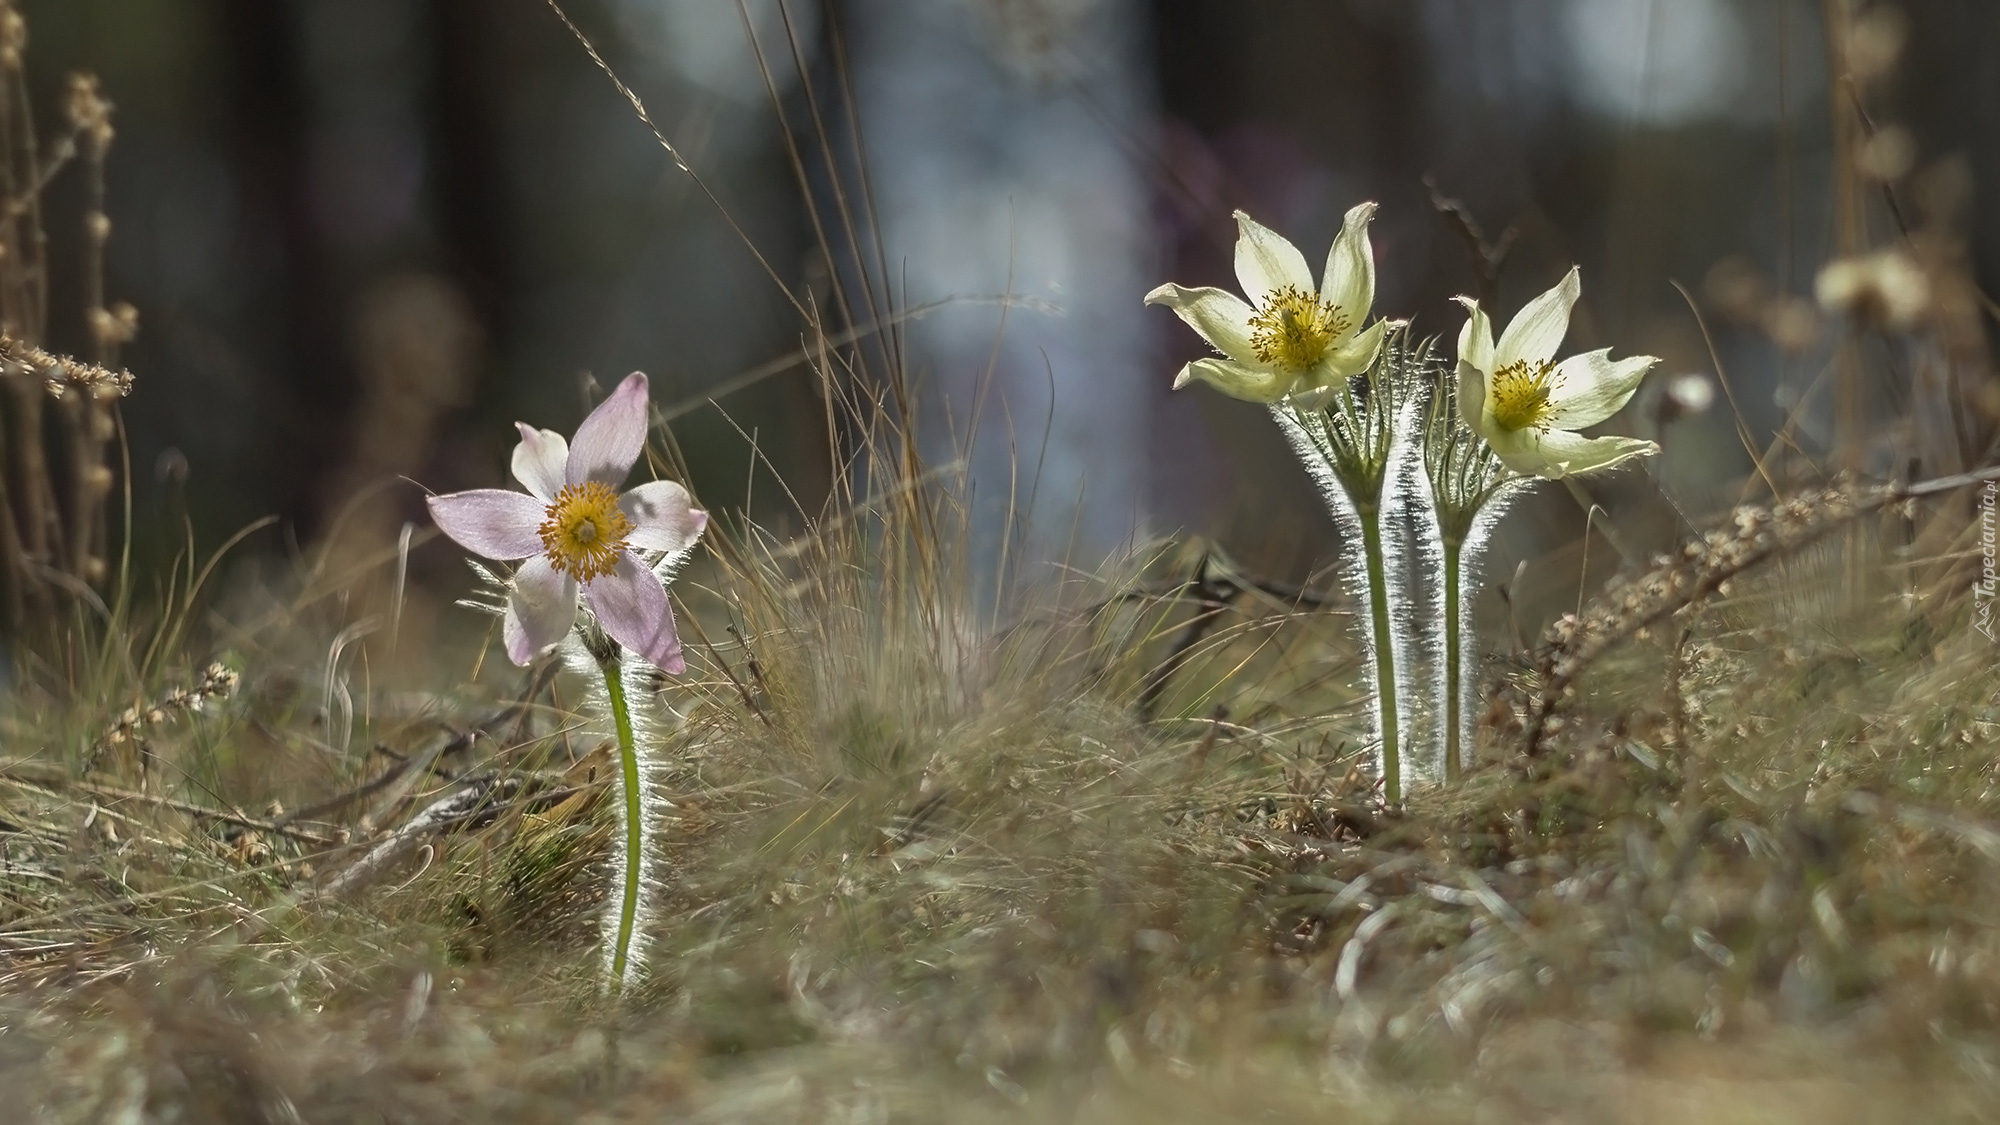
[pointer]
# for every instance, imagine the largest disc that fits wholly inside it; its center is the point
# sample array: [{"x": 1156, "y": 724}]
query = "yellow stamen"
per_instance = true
[
  {"x": 1295, "y": 330},
  {"x": 585, "y": 531},
  {"x": 1520, "y": 394}
]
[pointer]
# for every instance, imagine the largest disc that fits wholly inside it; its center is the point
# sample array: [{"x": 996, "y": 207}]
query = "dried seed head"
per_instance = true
[
  {"x": 217, "y": 682},
  {"x": 1875, "y": 41},
  {"x": 13, "y": 38},
  {"x": 89, "y": 113},
  {"x": 1703, "y": 566},
  {"x": 61, "y": 374},
  {"x": 1793, "y": 325},
  {"x": 1886, "y": 290},
  {"x": 1888, "y": 155},
  {"x": 1684, "y": 396}
]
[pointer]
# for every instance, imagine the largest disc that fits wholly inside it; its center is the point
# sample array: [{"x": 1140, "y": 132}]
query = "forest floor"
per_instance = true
[{"x": 912, "y": 869}]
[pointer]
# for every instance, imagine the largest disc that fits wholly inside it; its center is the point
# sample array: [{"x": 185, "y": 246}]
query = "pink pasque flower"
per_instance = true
[{"x": 572, "y": 528}]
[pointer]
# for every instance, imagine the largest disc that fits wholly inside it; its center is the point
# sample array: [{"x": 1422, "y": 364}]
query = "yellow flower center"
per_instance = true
[
  {"x": 584, "y": 531},
  {"x": 1294, "y": 330},
  {"x": 1520, "y": 394}
]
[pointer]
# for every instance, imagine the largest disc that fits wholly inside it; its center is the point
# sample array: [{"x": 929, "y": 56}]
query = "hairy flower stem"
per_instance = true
[
  {"x": 1360, "y": 447},
  {"x": 1385, "y": 650},
  {"x": 1454, "y": 673},
  {"x": 635, "y": 821}
]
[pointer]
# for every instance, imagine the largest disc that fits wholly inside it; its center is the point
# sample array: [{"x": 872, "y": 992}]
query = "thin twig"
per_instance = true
[{"x": 1486, "y": 258}]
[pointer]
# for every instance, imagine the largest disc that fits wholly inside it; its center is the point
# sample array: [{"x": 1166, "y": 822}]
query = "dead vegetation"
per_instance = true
[
  {"x": 1099, "y": 853},
  {"x": 917, "y": 869}
]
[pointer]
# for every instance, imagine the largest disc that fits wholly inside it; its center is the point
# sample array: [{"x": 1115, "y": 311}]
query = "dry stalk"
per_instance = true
[
  {"x": 1677, "y": 581},
  {"x": 55, "y": 473}
]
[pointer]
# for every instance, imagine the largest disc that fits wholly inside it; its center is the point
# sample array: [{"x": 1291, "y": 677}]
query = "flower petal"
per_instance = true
[
  {"x": 1561, "y": 453},
  {"x": 540, "y": 609},
  {"x": 1475, "y": 339},
  {"x": 1350, "y": 267},
  {"x": 1252, "y": 384},
  {"x": 1356, "y": 355},
  {"x": 1472, "y": 398},
  {"x": 540, "y": 461},
  {"x": 1310, "y": 399},
  {"x": 1569, "y": 454},
  {"x": 1592, "y": 387},
  {"x": 610, "y": 439},
  {"x": 1538, "y": 329},
  {"x": 1219, "y": 315},
  {"x": 662, "y": 516},
  {"x": 493, "y": 523},
  {"x": 632, "y": 606},
  {"x": 1519, "y": 450},
  {"x": 1266, "y": 262}
]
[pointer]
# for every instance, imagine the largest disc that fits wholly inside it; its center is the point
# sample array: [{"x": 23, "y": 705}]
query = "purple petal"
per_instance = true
[
  {"x": 632, "y": 606},
  {"x": 662, "y": 517},
  {"x": 610, "y": 439},
  {"x": 491, "y": 522},
  {"x": 540, "y": 609},
  {"x": 540, "y": 460}
]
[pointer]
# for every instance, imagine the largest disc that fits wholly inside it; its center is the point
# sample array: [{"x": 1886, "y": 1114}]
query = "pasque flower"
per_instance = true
[
  {"x": 1290, "y": 337},
  {"x": 573, "y": 529},
  {"x": 1528, "y": 406}
]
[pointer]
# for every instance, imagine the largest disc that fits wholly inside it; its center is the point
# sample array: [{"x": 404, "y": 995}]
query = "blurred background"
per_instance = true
[{"x": 363, "y": 236}]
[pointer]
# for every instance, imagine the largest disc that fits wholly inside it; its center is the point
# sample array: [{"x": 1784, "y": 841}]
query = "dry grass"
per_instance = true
[
  {"x": 923, "y": 869},
  {"x": 1097, "y": 852}
]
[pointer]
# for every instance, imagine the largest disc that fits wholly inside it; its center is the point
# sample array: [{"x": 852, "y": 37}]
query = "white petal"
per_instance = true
[
  {"x": 1266, "y": 263},
  {"x": 540, "y": 609},
  {"x": 539, "y": 461},
  {"x": 1475, "y": 339},
  {"x": 1252, "y": 384},
  {"x": 1332, "y": 372},
  {"x": 662, "y": 516},
  {"x": 1591, "y": 387},
  {"x": 1519, "y": 450},
  {"x": 1472, "y": 397},
  {"x": 1538, "y": 329},
  {"x": 1568, "y": 454},
  {"x": 1350, "y": 267},
  {"x": 1358, "y": 354},
  {"x": 1561, "y": 453},
  {"x": 1219, "y": 315},
  {"x": 1310, "y": 399}
]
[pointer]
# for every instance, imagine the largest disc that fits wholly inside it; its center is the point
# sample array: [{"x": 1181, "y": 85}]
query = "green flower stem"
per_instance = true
[
  {"x": 628, "y": 765},
  {"x": 1454, "y": 677},
  {"x": 1385, "y": 651}
]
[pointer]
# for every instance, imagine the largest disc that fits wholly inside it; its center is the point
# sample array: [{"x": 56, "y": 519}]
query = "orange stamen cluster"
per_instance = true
[{"x": 584, "y": 532}]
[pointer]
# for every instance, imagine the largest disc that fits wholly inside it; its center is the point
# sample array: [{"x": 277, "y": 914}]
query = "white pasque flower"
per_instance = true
[
  {"x": 572, "y": 527},
  {"x": 1290, "y": 337},
  {"x": 1528, "y": 406}
]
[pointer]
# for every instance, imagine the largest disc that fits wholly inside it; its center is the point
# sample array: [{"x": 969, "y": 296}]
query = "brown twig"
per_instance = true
[
  {"x": 1677, "y": 581},
  {"x": 1213, "y": 592},
  {"x": 483, "y": 800},
  {"x": 319, "y": 836},
  {"x": 1486, "y": 258}
]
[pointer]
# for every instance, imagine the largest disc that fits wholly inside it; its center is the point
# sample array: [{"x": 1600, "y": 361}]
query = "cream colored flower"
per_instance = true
[
  {"x": 1291, "y": 337},
  {"x": 1528, "y": 406}
]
